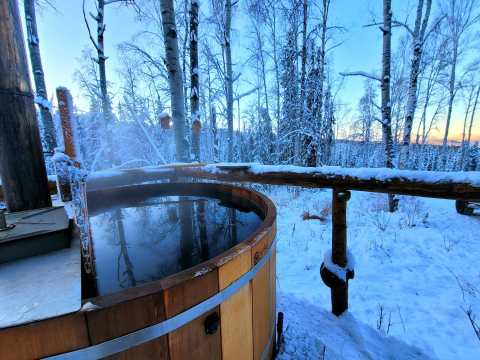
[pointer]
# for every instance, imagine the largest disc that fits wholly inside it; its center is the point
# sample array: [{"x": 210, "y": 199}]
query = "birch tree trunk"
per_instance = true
[
  {"x": 194, "y": 80},
  {"x": 386, "y": 106},
  {"x": 451, "y": 95},
  {"x": 469, "y": 137},
  {"x": 418, "y": 43},
  {"x": 174, "y": 77},
  {"x": 465, "y": 120},
  {"x": 213, "y": 125},
  {"x": 229, "y": 76},
  {"x": 38, "y": 76},
  {"x": 106, "y": 106}
]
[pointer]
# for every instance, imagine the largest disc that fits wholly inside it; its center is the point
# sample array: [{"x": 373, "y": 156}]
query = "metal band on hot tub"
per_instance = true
[{"x": 152, "y": 332}]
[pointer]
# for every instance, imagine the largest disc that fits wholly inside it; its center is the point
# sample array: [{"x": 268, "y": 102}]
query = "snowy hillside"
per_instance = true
[{"x": 414, "y": 279}]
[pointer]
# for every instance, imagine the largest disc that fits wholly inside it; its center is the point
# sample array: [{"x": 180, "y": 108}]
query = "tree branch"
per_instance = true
[
  {"x": 88, "y": 27},
  {"x": 361, "y": 73},
  {"x": 404, "y": 25}
]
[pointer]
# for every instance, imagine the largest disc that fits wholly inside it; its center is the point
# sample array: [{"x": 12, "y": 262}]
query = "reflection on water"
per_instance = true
[{"x": 146, "y": 241}]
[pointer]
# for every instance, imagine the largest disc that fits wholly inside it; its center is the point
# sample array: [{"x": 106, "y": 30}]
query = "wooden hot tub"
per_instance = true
[{"x": 239, "y": 323}]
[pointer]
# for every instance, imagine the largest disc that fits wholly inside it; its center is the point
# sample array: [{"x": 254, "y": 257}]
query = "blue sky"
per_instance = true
[{"x": 63, "y": 36}]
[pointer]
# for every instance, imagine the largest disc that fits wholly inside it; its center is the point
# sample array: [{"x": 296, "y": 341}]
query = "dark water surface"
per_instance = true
[{"x": 140, "y": 242}]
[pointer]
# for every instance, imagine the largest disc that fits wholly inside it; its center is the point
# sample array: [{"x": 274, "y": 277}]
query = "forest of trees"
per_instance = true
[{"x": 280, "y": 102}]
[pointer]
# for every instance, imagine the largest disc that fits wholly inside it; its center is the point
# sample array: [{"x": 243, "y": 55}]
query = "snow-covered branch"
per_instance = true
[{"x": 363, "y": 74}]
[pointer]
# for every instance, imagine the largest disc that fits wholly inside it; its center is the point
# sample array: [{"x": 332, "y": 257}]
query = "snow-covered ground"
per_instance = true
[{"x": 416, "y": 274}]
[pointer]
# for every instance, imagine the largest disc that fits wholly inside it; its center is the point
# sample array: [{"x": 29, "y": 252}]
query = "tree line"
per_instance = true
[{"x": 274, "y": 95}]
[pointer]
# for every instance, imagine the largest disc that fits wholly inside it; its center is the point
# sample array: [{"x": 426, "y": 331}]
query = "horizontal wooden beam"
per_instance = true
[
  {"x": 447, "y": 185},
  {"x": 444, "y": 185}
]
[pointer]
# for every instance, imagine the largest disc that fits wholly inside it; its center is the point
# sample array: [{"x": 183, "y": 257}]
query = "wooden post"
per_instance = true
[
  {"x": 65, "y": 107},
  {"x": 22, "y": 165},
  {"x": 339, "y": 294}
]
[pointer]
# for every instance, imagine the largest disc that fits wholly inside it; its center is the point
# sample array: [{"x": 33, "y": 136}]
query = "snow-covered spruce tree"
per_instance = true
[
  {"x": 174, "y": 78},
  {"x": 39, "y": 77},
  {"x": 328, "y": 124},
  {"x": 311, "y": 122},
  {"x": 194, "y": 80},
  {"x": 303, "y": 70},
  {"x": 474, "y": 157},
  {"x": 288, "y": 121}
]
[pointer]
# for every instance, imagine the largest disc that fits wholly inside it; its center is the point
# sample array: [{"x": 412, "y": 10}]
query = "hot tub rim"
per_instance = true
[{"x": 266, "y": 228}]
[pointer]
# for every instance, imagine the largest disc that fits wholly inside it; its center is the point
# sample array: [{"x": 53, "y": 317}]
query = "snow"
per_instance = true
[
  {"x": 40, "y": 100},
  {"x": 340, "y": 272},
  {"x": 314, "y": 333},
  {"x": 378, "y": 174},
  {"x": 89, "y": 306},
  {"x": 40, "y": 287},
  {"x": 417, "y": 265},
  {"x": 59, "y": 156}
]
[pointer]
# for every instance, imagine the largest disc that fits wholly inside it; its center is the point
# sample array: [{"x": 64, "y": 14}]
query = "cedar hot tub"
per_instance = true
[{"x": 182, "y": 271}]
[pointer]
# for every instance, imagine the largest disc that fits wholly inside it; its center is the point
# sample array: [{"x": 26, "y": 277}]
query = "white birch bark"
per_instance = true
[
  {"x": 386, "y": 105},
  {"x": 472, "y": 116},
  {"x": 418, "y": 44},
  {"x": 174, "y": 78},
  {"x": 38, "y": 76}
]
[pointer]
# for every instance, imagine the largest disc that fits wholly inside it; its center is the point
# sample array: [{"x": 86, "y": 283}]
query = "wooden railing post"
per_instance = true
[
  {"x": 65, "y": 107},
  {"x": 337, "y": 269},
  {"x": 339, "y": 247}
]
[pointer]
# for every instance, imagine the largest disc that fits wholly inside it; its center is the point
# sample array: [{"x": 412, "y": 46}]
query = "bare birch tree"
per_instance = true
[
  {"x": 174, "y": 78},
  {"x": 99, "y": 45},
  {"x": 418, "y": 40},
  {"x": 39, "y": 76},
  {"x": 460, "y": 17},
  {"x": 386, "y": 107}
]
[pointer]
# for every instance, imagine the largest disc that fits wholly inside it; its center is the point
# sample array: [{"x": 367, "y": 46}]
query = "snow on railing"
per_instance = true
[{"x": 448, "y": 185}]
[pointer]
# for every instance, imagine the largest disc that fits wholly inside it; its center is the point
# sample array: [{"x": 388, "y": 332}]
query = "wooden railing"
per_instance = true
[{"x": 446, "y": 185}]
